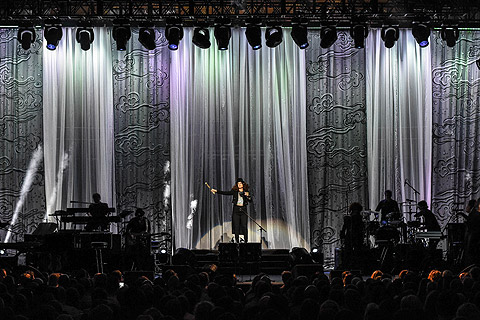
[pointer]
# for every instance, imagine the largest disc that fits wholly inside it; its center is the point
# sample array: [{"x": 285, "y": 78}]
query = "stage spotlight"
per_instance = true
[
  {"x": 121, "y": 35},
  {"x": 421, "y": 32},
  {"x": 299, "y": 35},
  {"x": 53, "y": 35},
  {"x": 358, "y": 33},
  {"x": 328, "y": 36},
  {"x": 174, "y": 34},
  {"x": 146, "y": 37},
  {"x": 273, "y": 36},
  {"x": 201, "y": 38},
  {"x": 254, "y": 36},
  {"x": 222, "y": 35},
  {"x": 317, "y": 255},
  {"x": 162, "y": 256},
  {"x": 390, "y": 35},
  {"x": 450, "y": 35},
  {"x": 26, "y": 36},
  {"x": 85, "y": 37}
]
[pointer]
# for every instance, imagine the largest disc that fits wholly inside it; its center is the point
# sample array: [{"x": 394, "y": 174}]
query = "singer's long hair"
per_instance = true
[{"x": 245, "y": 187}]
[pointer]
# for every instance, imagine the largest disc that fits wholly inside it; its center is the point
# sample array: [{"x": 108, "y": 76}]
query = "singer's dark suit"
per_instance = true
[{"x": 239, "y": 218}]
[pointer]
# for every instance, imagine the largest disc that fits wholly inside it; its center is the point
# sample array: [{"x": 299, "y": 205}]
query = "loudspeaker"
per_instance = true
[
  {"x": 83, "y": 240},
  {"x": 250, "y": 252},
  {"x": 59, "y": 241},
  {"x": 307, "y": 270},
  {"x": 130, "y": 277},
  {"x": 228, "y": 251},
  {"x": 300, "y": 256},
  {"x": 184, "y": 256}
]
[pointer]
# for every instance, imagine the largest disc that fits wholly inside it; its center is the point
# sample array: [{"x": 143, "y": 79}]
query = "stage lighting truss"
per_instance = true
[
  {"x": 85, "y": 37},
  {"x": 53, "y": 35},
  {"x": 146, "y": 37},
  {"x": 254, "y": 35},
  {"x": 359, "y": 33},
  {"x": 26, "y": 36},
  {"x": 421, "y": 33},
  {"x": 328, "y": 36},
  {"x": 174, "y": 33},
  {"x": 222, "y": 34},
  {"x": 450, "y": 35},
  {"x": 201, "y": 37},
  {"x": 375, "y": 12},
  {"x": 299, "y": 35},
  {"x": 390, "y": 35},
  {"x": 121, "y": 34},
  {"x": 273, "y": 36}
]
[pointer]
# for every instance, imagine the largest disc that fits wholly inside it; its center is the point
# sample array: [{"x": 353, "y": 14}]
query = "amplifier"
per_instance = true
[{"x": 83, "y": 240}]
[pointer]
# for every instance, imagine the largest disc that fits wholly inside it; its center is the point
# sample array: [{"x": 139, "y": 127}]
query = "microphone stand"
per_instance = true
[
  {"x": 415, "y": 192},
  {"x": 261, "y": 228}
]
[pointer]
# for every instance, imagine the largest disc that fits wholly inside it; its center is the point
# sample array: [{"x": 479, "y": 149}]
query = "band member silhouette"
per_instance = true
[
  {"x": 138, "y": 240},
  {"x": 241, "y": 198},
  {"x": 99, "y": 211},
  {"x": 388, "y": 208}
]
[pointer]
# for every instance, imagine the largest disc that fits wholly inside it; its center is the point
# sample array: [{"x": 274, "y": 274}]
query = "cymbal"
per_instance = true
[
  {"x": 369, "y": 212},
  {"x": 125, "y": 213}
]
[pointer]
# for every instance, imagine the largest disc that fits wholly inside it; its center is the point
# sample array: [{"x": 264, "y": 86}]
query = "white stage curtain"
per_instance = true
[
  {"x": 399, "y": 118},
  {"x": 238, "y": 113},
  {"x": 78, "y": 121}
]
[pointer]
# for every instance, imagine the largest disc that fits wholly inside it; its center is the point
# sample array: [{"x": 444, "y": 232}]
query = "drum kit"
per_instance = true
[{"x": 393, "y": 232}]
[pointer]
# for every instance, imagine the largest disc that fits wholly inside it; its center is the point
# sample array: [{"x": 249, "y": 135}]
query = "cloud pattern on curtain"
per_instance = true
[
  {"x": 142, "y": 129},
  {"x": 456, "y": 115},
  {"x": 21, "y": 129},
  {"x": 336, "y": 137}
]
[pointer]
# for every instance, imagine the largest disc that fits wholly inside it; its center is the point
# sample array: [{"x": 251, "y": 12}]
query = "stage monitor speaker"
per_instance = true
[
  {"x": 228, "y": 251},
  {"x": 130, "y": 277},
  {"x": 84, "y": 240},
  {"x": 250, "y": 252},
  {"x": 45, "y": 228},
  {"x": 59, "y": 241},
  {"x": 300, "y": 256},
  {"x": 307, "y": 270},
  {"x": 184, "y": 256}
]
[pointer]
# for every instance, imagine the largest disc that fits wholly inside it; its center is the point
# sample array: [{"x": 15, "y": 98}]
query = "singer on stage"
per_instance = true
[{"x": 241, "y": 198}]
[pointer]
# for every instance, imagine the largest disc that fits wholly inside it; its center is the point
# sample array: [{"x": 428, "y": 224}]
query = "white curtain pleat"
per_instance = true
[
  {"x": 399, "y": 118},
  {"x": 238, "y": 113},
  {"x": 78, "y": 121}
]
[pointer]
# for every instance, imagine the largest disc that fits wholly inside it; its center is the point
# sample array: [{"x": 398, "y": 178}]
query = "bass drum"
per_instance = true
[
  {"x": 387, "y": 234},
  {"x": 372, "y": 227}
]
